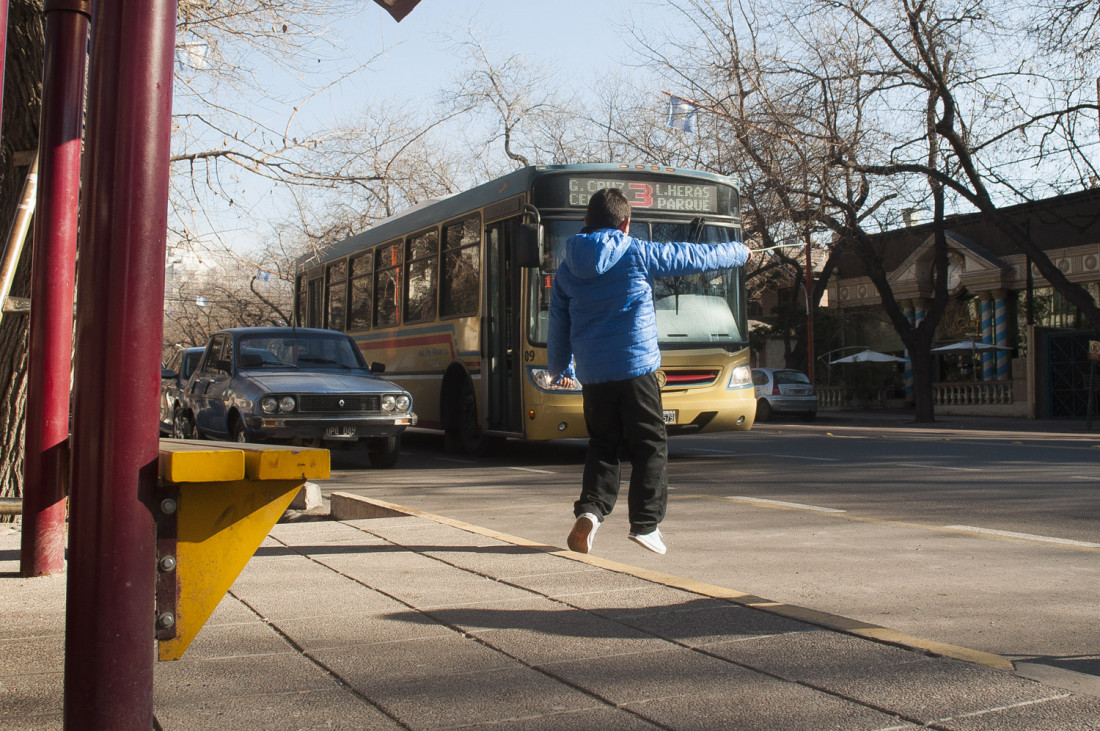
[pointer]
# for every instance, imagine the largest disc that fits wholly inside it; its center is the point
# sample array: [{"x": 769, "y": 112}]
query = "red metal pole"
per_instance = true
[
  {"x": 45, "y": 465},
  {"x": 109, "y": 629}
]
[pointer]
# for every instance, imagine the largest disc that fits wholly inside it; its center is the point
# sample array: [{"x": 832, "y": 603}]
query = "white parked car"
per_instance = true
[{"x": 783, "y": 391}]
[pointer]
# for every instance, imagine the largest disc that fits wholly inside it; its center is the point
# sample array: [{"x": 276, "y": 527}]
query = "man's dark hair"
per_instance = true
[{"x": 607, "y": 208}]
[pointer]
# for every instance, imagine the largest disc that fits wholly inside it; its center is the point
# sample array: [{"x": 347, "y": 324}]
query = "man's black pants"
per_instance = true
[{"x": 625, "y": 415}]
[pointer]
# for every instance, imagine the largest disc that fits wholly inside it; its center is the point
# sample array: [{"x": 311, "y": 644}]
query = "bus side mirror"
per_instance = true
[{"x": 529, "y": 251}]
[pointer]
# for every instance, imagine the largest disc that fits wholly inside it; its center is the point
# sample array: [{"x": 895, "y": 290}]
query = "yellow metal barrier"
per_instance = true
[{"x": 217, "y": 501}]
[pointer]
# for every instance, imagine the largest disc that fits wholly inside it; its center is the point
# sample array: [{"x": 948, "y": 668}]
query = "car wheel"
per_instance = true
[
  {"x": 764, "y": 410},
  {"x": 237, "y": 432},
  {"x": 383, "y": 451},
  {"x": 182, "y": 425}
]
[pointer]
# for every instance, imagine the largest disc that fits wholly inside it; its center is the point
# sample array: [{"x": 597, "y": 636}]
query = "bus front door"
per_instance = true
[{"x": 501, "y": 329}]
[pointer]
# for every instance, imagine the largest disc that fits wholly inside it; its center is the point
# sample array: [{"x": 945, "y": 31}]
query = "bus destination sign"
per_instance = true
[{"x": 671, "y": 196}]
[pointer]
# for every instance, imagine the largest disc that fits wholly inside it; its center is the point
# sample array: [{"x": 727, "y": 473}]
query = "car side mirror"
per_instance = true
[
  {"x": 529, "y": 247},
  {"x": 377, "y": 367}
]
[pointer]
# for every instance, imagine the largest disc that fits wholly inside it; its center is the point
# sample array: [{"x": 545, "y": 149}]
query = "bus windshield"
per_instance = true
[{"x": 699, "y": 310}]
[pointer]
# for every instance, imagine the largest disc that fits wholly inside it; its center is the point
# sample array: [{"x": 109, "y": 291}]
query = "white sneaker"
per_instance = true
[
  {"x": 584, "y": 531},
  {"x": 651, "y": 541}
]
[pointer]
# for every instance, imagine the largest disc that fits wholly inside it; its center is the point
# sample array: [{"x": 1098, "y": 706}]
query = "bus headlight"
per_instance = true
[
  {"x": 542, "y": 378},
  {"x": 740, "y": 377}
]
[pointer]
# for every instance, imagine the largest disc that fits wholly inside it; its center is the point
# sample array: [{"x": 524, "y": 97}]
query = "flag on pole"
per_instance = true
[
  {"x": 681, "y": 113},
  {"x": 398, "y": 8}
]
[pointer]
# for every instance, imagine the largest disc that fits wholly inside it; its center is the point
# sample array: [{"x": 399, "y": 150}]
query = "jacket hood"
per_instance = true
[{"x": 591, "y": 253}]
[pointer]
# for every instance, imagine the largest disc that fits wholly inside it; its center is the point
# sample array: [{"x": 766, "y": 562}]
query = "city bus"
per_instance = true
[{"x": 452, "y": 296}]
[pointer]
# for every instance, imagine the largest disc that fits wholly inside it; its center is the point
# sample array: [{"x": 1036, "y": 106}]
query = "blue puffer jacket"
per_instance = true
[{"x": 601, "y": 304}]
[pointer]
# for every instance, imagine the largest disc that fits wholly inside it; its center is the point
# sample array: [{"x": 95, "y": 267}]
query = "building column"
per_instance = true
[
  {"x": 1000, "y": 334},
  {"x": 988, "y": 360},
  {"x": 914, "y": 312}
]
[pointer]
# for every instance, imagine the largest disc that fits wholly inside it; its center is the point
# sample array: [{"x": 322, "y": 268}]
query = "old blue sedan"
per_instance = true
[{"x": 296, "y": 386}]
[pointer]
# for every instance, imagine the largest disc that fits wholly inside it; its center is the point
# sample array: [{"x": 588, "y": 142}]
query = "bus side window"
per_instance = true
[
  {"x": 422, "y": 258},
  {"x": 362, "y": 292},
  {"x": 459, "y": 285},
  {"x": 336, "y": 295},
  {"x": 302, "y": 300},
  {"x": 387, "y": 285},
  {"x": 315, "y": 298}
]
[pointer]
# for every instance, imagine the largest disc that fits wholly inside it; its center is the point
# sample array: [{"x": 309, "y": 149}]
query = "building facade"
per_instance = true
[{"x": 1029, "y": 344}]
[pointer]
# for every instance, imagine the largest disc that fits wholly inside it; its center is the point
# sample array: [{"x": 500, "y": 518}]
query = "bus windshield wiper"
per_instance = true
[{"x": 695, "y": 230}]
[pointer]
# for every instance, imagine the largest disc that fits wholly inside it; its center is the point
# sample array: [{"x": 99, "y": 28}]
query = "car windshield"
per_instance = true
[
  {"x": 700, "y": 310},
  {"x": 296, "y": 351}
]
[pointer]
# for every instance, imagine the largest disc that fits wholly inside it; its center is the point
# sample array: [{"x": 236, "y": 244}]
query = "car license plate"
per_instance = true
[
  {"x": 340, "y": 432},
  {"x": 669, "y": 416}
]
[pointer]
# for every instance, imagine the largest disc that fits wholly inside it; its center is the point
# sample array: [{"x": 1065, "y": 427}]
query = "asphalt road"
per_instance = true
[{"x": 983, "y": 539}]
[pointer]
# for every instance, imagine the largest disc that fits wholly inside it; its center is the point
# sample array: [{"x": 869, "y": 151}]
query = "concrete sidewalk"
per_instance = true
[
  {"x": 904, "y": 418},
  {"x": 424, "y": 622}
]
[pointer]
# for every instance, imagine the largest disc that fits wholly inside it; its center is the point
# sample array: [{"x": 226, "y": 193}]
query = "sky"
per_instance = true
[
  {"x": 573, "y": 37},
  {"x": 416, "y": 58}
]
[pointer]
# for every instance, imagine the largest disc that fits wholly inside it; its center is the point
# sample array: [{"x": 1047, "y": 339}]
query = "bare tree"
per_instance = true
[
  {"x": 231, "y": 161},
  {"x": 850, "y": 112},
  {"x": 515, "y": 105},
  {"x": 987, "y": 118},
  {"x": 22, "y": 104}
]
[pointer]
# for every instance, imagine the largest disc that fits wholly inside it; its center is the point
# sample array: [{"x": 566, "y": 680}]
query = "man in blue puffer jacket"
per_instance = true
[{"x": 602, "y": 317}]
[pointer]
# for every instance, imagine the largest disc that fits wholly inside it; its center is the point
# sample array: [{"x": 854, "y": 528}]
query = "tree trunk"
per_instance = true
[
  {"x": 22, "y": 106},
  {"x": 920, "y": 358}
]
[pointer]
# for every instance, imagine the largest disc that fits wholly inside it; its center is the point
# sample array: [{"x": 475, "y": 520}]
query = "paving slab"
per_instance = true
[{"x": 421, "y": 622}]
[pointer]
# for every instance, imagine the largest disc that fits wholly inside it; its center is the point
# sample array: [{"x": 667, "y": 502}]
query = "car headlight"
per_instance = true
[
  {"x": 403, "y": 402},
  {"x": 740, "y": 377},
  {"x": 272, "y": 404},
  {"x": 388, "y": 402},
  {"x": 545, "y": 381}
]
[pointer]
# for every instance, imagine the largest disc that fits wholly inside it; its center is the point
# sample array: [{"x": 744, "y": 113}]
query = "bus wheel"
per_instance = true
[
  {"x": 383, "y": 451},
  {"x": 464, "y": 434}
]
